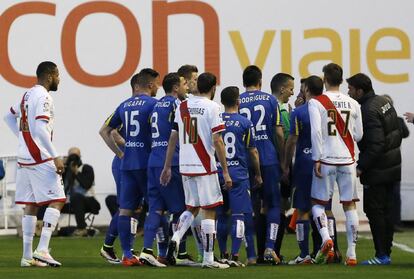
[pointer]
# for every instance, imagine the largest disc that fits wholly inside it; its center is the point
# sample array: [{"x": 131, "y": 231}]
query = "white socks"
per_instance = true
[
  {"x": 184, "y": 223},
  {"x": 28, "y": 227},
  {"x": 352, "y": 222},
  {"x": 49, "y": 224},
  {"x": 196, "y": 230},
  {"x": 208, "y": 230},
  {"x": 321, "y": 221}
]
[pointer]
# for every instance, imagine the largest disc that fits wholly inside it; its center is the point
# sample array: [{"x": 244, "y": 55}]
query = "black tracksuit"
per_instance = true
[{"x": 380, "y": 163}]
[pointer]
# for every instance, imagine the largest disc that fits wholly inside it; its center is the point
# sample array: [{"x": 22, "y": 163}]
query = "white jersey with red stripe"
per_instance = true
[
  {"x": 328, "y": 144},
  {"x": 36, "y": 105},
  {"x": 197, "y": 119}
]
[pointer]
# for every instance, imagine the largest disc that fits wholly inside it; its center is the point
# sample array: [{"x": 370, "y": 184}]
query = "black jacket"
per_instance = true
[{"x": 380, "y": 155}]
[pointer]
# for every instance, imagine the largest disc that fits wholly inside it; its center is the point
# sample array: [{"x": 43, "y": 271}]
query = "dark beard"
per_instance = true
[{"x": 53, "y": 87}]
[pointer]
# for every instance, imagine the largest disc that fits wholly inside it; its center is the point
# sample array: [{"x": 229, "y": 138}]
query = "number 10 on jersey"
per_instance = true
[{"x": 190, "y": 132}]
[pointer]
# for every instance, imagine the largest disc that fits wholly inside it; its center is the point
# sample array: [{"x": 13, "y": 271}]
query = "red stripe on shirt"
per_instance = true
[
  {"x": 42, "y": 117},
  {"x": 12, "y": 110},
  {"x": 219, "y": 128},
  {"x": 198, "y": 146},
  {"x": 30, "y": 143},
  {"x": 340, "y": 124}
]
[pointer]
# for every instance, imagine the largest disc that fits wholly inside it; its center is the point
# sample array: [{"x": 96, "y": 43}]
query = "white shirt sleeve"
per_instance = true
[
  {"x": 44, "y": 108},
  {"x": 358, "y": 128},
  {"x": 217, "y": 124},
  {"x": 43, "y": 135},
  {"x": 11, "y": 119},
  {"x": 316, "y": 130}
]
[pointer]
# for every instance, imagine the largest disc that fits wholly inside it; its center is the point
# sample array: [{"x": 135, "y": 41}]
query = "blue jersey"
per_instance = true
[
  {"x": 134, "y": 115},
  {"x": 162, "y": 119},
  {"x": 300, "y": 126},
  {"x": 263, "y": 110},
  {"x": 238, "y": 137}
]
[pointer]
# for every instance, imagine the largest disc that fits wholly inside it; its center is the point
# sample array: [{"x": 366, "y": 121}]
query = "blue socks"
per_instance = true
[
  {"x": 125, "y": 226},
  {"x": 273, "y": 220},
  {"x": 302, "y": 236},
  {"x": 112, "y": 232},
  {"x": 222, "y": 232},
  {"x": 249, "y": 235},
  {"x": 237, "y": 232}
]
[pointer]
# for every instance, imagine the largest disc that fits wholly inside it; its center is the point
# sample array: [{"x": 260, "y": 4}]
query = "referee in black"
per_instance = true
[{"x": 379, "y": 163}]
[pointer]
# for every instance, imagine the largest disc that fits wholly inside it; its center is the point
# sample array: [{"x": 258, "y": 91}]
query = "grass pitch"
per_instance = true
[{"x": 80, "y": 258}]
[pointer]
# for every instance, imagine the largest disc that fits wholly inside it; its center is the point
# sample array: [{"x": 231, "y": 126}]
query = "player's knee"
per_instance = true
[
  {"x": 57, "y": 205},
  {"x": 349, "y": 206}
]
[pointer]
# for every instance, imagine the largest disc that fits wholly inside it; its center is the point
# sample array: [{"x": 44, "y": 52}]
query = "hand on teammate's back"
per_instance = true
[
  {"x": 59, "y": 165},
  {"x": 165, "y": 176}
]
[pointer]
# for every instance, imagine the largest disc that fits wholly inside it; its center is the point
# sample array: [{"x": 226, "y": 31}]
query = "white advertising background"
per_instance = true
[{"x": 101, "y": 47}]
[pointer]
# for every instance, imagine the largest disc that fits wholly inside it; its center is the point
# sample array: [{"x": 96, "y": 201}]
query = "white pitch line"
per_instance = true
[{"x": 400, "y": 246}]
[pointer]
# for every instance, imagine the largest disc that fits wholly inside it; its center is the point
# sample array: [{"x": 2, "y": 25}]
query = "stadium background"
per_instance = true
[{"x": 98, "y": 45}]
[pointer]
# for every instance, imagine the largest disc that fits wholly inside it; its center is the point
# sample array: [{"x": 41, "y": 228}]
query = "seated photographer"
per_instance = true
[{"x": 78, "y": 180}]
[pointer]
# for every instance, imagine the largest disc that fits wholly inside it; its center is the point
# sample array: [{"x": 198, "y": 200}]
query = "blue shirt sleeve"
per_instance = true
[
  {"x": 294, "y": 124},
  {"x": 114, "y": 121},
  {"x": 249, "y": 135}
]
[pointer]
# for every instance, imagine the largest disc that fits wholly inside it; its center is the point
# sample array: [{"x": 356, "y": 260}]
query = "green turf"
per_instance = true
[{"x": 80, "y": 258}]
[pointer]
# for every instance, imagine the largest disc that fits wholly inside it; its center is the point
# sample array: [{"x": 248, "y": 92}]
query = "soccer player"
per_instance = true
[
  {"x": 300, "y": 137},
  {"x": 190, "y": 74},
  {"x": 239, "y": 144},
  {"x": 263, "y": 110},
  {"x": 282, "y": 86},
  {"x": 134, "y": 115},
  {"x": 335, "y": 126},
  {"x": 39, "y": 170},
  {"x": 198, "y": 127},
  {"x": 171, "y": 197},
  {"x": 107, "y": 250}
]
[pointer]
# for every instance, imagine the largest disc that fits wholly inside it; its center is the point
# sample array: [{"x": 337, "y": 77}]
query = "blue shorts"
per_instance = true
[
  {"x": 269, "y": 193},
  {"x": 134, "y": 188},
  {"x": 302, "y": 195},
  {"x": 170, "y": 197},
  {"x": 239, "y": 198}
]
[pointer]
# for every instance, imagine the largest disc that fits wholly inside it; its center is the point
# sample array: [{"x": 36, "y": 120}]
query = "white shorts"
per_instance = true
[
  {"x": 39, "y": 185},
  {"x": 202, "y": 191},
  {"x": 323, "y": 188}
]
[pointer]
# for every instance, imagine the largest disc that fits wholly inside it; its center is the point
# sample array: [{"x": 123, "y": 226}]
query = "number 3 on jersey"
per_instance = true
[{"x": 260, "y": 108}]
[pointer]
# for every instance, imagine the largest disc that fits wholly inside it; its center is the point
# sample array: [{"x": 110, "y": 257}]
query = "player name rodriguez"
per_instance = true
[{"x": 255, "y": 98}]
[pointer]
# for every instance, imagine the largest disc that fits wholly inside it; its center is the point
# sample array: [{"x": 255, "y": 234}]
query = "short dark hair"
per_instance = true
[
  {"x": 315, "y": 85},
  {"x": 229, "y": 96},
  {"x": 205, "y": 82},
  {"x": 252, "y": 76},
  {"x": 145, "y": 76},
  {"x": 279, "y": 80},
  {"x": 169, "y": 81},
  {"x": 333, "y": 74},
  {"x": 45, "y": 68},
  {"x": 186, "y": 71},
  {"x": 133, "y": 81},
  {"x": 302, "y": 80},
  {"x": 360, "y": 81}
]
